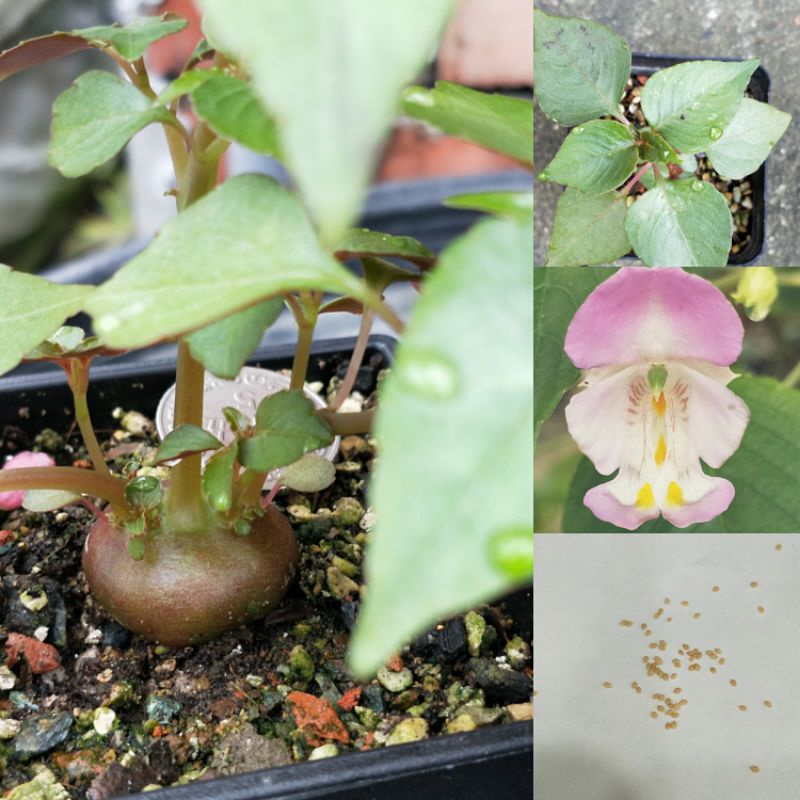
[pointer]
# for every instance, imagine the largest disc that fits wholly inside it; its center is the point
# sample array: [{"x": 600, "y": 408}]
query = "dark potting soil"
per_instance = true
[
  {"x": 122, "y": 713},
  {"x": 738, "y": 194}
]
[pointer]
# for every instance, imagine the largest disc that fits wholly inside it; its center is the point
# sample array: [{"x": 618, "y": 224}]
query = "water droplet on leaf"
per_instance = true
[
  {"x": 697, "y": 186},
  {"x": 511, "y": 551},
  {"x": 715, "y": 133},
  {"x": 578, "y": 130},
  {"x": 429, "y": 374},
  {"x": 544, "y": 176}
]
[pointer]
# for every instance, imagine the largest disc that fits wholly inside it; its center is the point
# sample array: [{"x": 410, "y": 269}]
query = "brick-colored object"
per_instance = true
[
  {"x": 316, "y": 718},
  {"x": 41, "y": 657},
  {"x": 489, "y": 43}
]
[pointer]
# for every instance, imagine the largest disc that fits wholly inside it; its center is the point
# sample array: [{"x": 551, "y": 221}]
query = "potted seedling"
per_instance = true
[
  {"x": 189, "y": 545},
  {"x": 636, "y": 185}
]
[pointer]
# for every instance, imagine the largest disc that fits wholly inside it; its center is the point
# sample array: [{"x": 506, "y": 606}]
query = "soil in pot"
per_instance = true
[{"x": 120, "y": 713}]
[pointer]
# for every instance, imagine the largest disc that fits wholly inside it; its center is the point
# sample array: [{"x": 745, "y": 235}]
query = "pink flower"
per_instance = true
[
  {"x": 655, "y": 346},
  {"x": 12, "y": 500}
]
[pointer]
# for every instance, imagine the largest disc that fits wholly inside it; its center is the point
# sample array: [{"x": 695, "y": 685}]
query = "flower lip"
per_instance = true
[{"x": 647, "y": 315}]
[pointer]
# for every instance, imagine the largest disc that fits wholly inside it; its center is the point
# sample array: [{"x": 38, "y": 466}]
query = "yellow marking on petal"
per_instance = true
[
  {"x": 661, "y": 451},
  {"x": 674, "y": 494},
  {"x": 645, "y": 498},
  {"x": 659, "y": 404}
]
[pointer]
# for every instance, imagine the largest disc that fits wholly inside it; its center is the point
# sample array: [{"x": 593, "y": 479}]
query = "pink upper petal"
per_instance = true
[
  {"x": 650, "y": 315},
  {"x": 11, "y": 500}
]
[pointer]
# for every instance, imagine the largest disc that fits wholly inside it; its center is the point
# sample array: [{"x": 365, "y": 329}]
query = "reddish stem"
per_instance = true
[
  {"x": 635, "y": 179},
  {"x": 272, "y": 494}
]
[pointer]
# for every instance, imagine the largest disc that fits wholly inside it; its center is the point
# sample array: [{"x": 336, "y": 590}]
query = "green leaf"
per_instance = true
[
  {"x": 765, "y": 472},
  {"x": 224, "y": 346},
  {"x": 378, "y": 274},
  {"x": 588, "y": 229},
  {"x": 581, "y": 68},
  {"x": 185, "y": 440},
  {"x": 513, "y": 205},
  {"x": 455, "y": 433},
  {"x": 185, "y": 84},
  {"x": 504, "y": 124},
  {"x": 233, "y": 111},
  {"x": 93, "y": 120},
  {"x": 748, "y": 139},
  {"x": 32, "y": 309},
  {"x": 286, "y": 429},
  {"x": 596, "y": 157},
  {"x": 690, "y": 104},
  {"x": 237, "y": 421},
  {"x": 41, "y": 500},
  {"x": 359, "y": 242},
  {"x": 131, "y": 40},
  {"x": 218, "y": 478},
  {"x": 331, "y": 74},
  {"x": 246, "y": 241},
  {"x": 144, "y": 492},
  {"x": 681, "y": 224},
  {"x": 312, "y": 473},
  {"x": 557, "y": 295},
  {"x": 656, "y": 148}
]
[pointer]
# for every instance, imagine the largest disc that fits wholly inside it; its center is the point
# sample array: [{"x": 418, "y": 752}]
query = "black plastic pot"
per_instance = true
[
  {"x": 645, "y": 64},
  {"x": 482, "y": 765}
]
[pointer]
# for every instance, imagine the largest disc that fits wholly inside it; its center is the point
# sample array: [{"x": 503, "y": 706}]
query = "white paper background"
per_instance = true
[{"x": 593, "y": 743}]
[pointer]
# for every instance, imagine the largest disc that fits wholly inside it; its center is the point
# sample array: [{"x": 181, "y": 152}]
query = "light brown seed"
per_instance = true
[
  {"x": 669, "y": 619},
  {"x": 754, "y": 768},
  {"x": 779, "y": 547},
  {"x": 607, "y": 685},
  {"x": 761, "y": 609},
  {"x": 626, "y": 623},
  {"x": 742, "y": 708},
  {"x": 696, "y": 615},
  {"x": 643, "y": 626},
  {"x": 715, "y": 588},
  {"x": 768, "y": 703},
  {"x": 712, "y": 670},
  {"x": 753, "y": 584},
  {"x": 684, "y": 603},
  {"x": 722, "y": 662},
  {"x": 654, "y": 714},
  {"x": 666, "y": 601},
  {"x": 732, "y": 682},
  {"x": 678, "y": 690}
]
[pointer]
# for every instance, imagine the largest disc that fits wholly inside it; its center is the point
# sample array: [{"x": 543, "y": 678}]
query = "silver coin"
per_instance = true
[{"x": 244, "y": 393}]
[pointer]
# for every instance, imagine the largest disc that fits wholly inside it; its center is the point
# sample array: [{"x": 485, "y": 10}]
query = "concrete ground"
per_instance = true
[{"x": 765, "y": 29}]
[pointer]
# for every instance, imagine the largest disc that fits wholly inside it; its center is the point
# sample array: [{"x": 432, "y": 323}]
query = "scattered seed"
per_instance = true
[
  {"x": 779, "y": 547},
  {"x": 669, "y": 619},
  {"x": 712, "y": 670},
  {"x": 768, "y": 703},
  {"x": 761, "y": 609},
  {"x": 732, "y": 682},
  {"x": 654, "y": 714},
  {"x": 753, "y": 584},
  {"x": 754, "y": 768},
  {"x": 684, "y": 603},
  {"x": 696, "y": 615},
  {"x": 626, "y": 623},
  {"x": 666, "y": 601},
  {"x": 722, "y": 662},
  {"x": 607, "y": 685},
  {"x": 715, "y": 588},
  {"x": 742, "y": 708},
  {"x": 677, "y": 690},
  {"x": 643, "y": 626}
]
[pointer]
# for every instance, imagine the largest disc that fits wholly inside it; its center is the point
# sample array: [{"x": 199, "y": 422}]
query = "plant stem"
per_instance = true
[
  {"x": 78, "y": 379},
  {"x": 387, "y": 314},
  {"x": 66, "y": 479},
  {"x": 185, "y": 500},
  {"x": 347, "y": 424},
  {"x": 355, "y": 362},
  {"x": 793, "y": 378},
  {"x": 635, "y": 179},
  {"x": 305, "y": 337}
]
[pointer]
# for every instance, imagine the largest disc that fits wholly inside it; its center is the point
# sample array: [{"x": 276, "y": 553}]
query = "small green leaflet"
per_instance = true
[
  {"x": 359, "y": 242},
  {"x": 223, "y": 347},
  {"x": 691, "y": 103},
  {"x": 748, "y": 139},
  {"x": 504, "y": 124},
  {"x": 94, "y": 119},
  {"x": 312, "y": 473},
  {"x": 655, "y": 147},
  {"x": 514, "y": 205},
  {"x": 32, "y": 309},
  {"x": 286, "y": 428},
  {"x": 185, "y": 440},
  {"x": 595, "y": 157},
  {"x": 681, "y": 224},
  {"x": 185, "y": 84},
  {"x": 233, "y": 111},
  {"x": 131, "y": 40},
  {"x": 581, "y": 68},
  {"x": 218, "y": 478},
  {"x": 588, "y": 229}
]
